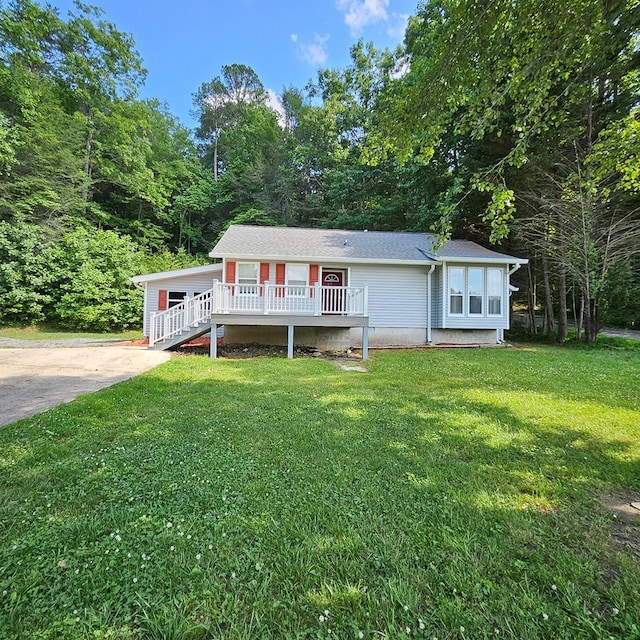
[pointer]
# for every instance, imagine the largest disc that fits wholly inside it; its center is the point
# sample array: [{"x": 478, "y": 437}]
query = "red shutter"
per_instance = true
[
  {"x": 280, "y": 275},
  {"x": 162, "y": 300},
  {"x": 264, "y": 272},
  {"x": 313, "y": 276},
  {"x": 230, "y": 274}
]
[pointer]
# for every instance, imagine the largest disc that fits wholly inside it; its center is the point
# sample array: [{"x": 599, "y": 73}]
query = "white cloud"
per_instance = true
[
  {"x": 294, "y": 37},
  {"x": 315, "y": 52},
  {"x": 359, "y": 14},
  {"x": 398, "y": 25},
  {"x": 275, "y": 104}
]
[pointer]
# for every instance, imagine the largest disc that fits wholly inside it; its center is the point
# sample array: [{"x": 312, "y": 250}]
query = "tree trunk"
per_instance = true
[
  {"x": 215, "y": 159},
  {"x": 533, "y": 324},
  {"x": 580, "y": 321},
  {"x": 88, "y": 146},
  {"x": 562, "y": 304},
  {"x": 591, "y": 324},
  {"x": 562, "y": 288},
  {"x": 549, "y": 322}
]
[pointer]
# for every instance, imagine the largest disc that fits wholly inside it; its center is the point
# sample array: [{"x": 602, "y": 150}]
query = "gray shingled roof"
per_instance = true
[{"x": 243, "y": 241}]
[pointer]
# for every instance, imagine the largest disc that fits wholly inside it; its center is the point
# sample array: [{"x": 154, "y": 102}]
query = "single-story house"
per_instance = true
[{"x": 334, "y": 289}]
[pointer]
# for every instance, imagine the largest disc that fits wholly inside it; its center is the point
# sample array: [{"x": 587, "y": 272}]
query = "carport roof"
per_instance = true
[{"x": 178, "y": 273}]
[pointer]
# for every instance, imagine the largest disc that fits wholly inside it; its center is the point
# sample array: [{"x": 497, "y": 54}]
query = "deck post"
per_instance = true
[
  {"x": 365, "y": 343},
  {"x": 317, "y": 288},
  {"x": 152, "y": 328},
  {"x": 213, "y": 347},
  {"x": 265, "y": 291},
  {"x": 290, "y": 342},
  {"x": 214, "y": 297}
]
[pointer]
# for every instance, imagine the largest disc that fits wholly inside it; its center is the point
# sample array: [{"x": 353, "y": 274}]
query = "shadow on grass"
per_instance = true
[{"x": 262, "y": 493}]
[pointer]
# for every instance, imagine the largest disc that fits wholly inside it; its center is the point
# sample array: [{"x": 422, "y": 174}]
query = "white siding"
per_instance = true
[
  {"x": 436, "y": 298},
  {"x": 190, "y": 284},
  {"x": 397, "y": 294}
]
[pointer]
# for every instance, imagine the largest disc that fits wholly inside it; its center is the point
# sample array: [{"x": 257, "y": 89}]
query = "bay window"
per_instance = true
[{"x": 476, "y": 291}]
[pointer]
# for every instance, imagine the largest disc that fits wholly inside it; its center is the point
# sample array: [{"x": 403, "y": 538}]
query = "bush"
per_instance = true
[
  {"x": 96, "y": 293},
  {"x": 27, "y": 280}
]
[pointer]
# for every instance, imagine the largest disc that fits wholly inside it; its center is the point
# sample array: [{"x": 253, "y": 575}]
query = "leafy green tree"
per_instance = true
[
  {"x": 219, "y": 105},
  {"x": 94, "y": 290},
  {"x": 27, "y": 279}
]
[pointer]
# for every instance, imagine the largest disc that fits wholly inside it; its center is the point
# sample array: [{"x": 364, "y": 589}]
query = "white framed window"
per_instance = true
[
  {"x": 476, "y": 290},
  {"x": 247, "y": 278},
  {"x": 175, "y": 297},
  {"x": 456, "y": 291},
  {"x": 494, "y": 292},
  {"x": 297, "y": 279}
]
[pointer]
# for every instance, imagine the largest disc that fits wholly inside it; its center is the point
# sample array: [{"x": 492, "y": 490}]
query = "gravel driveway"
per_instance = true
[{"x": 40, "y": 374}]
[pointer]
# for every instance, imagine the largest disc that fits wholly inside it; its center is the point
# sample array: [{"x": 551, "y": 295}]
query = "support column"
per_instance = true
[
  {"x": 213, "y": 347},
  {"x": 290, "y": 341},
  {"x": 365, "y": 343}
]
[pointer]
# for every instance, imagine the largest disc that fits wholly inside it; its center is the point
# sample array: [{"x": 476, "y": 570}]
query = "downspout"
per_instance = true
[
  {"x": 508, "y": 301},
  {"x": 445, "y": 284},
  {"x": 431, "y": 270}
]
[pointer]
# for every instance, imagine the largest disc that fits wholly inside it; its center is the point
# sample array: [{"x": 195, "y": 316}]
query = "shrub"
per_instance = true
[
  {"x": 96, "y": 292},
  {"x": 26, "y": 275}
]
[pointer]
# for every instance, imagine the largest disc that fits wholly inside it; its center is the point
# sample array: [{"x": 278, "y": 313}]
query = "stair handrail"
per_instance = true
[{"x": 171, "y": 322}]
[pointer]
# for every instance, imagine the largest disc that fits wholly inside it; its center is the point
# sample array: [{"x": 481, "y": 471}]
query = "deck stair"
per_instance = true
[{"x": 181, "y": 323}]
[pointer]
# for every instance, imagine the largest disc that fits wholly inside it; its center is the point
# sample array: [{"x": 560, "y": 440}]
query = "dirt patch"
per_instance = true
[
  {"x": 244, "y": 351},
  {"x": 625, "y": 530}
]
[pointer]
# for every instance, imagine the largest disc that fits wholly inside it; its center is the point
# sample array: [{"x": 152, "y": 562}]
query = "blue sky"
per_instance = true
[{"x": 184, "y": 44}]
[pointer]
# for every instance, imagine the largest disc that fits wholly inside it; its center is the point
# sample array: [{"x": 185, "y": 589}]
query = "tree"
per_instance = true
[
  {"x": 534, "y": 87},
  {"x": 219, "y": 104},
  {"x": 94, "y": 289},
  {"x": 26, "y": 278}
]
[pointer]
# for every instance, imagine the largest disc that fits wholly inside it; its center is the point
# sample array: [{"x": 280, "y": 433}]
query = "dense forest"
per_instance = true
[{"x": 513, "y": 124}]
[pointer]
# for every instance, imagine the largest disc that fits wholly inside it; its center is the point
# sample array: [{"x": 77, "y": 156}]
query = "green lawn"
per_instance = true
[
  {"x": 48, "y": 333},
  {"x": 447, "y": 494}
]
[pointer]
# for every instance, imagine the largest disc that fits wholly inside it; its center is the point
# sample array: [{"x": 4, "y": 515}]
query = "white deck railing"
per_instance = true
[
  {"x": 264, "y": 299},
  {"x": 191, "y": 312},
  {"x": 290, "y": 299}
]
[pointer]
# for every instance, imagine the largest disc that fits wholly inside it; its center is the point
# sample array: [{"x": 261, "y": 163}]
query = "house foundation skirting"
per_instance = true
[
  {"x": 338, "y": 339},
  {"x": 464, "y": 336},
  {"x": 325, "y": 338}
]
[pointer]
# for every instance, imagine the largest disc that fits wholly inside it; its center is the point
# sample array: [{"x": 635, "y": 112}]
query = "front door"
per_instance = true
[{"x": 333, "y": 295}]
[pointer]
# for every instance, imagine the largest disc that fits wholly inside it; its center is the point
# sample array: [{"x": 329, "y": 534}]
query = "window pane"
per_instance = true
[
  {"x": 297, "y": 274},
  {"x": 495, "y": 305},
  {"x": 175, "y": 297},
  {"x": 456, "y": 281},
  {"x": 475, "y": 282},
  {"x": 494, "y": 282},
  {"x": 476, "y": 290},
  {"x": 456, "y": 289},
  {"x": 248, "y": 273},
  {"x": 494, "y": 291},
  {"x": 475, "y": 304}
]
